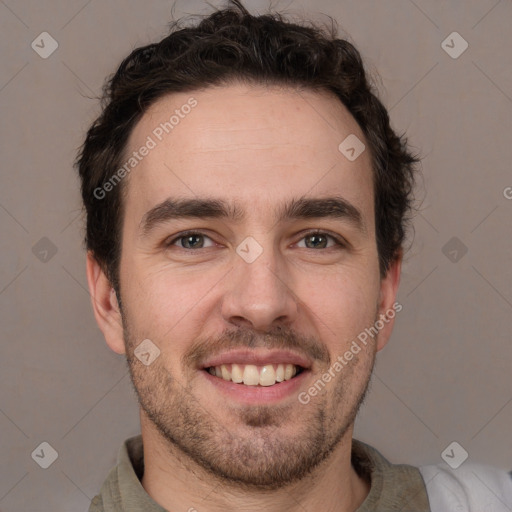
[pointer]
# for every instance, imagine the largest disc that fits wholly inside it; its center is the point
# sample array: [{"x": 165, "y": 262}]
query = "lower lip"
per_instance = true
[{"x": 258, "y": 394}]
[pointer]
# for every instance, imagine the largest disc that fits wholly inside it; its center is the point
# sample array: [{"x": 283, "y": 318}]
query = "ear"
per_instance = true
[
  {"x": 105, "y": 305},
  {"x": 388, "y": 307}
]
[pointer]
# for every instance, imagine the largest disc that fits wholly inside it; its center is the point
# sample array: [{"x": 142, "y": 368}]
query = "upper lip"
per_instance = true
[{"x": 258, "y": 357}]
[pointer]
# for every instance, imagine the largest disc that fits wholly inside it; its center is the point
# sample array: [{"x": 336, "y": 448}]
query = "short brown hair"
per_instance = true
[{"x": 231, "y": 44}]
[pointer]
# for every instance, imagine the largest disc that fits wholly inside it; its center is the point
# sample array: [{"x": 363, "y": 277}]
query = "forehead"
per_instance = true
[{"x": 257, "y": 144}]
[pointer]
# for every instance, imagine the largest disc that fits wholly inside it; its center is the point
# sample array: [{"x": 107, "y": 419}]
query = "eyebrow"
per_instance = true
[{"x": 204, "y": 208}]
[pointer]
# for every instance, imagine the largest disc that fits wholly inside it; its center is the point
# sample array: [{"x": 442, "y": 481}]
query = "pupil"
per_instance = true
[
  {"x": 315, "y": 237},
  {"x": 188, "y": 240}
]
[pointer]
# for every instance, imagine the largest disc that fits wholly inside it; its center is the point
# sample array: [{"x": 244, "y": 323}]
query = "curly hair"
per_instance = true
[{"x": 228, "y": 45}]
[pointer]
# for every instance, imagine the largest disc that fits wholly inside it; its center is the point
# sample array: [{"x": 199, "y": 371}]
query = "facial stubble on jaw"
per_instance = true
[{"x": 259, "y": 455}]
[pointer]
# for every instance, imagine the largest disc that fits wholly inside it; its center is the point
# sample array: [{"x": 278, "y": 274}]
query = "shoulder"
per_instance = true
[
  {"x": 469, "y": 488},
  {"x": 96, "y": 504}
]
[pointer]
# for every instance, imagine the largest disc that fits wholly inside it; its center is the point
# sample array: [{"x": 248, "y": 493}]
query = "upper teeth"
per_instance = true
[{"x": 252, "y": 375}]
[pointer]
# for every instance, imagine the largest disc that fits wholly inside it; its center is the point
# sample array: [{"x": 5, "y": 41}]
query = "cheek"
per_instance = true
[
  {"x": 164, "y": 306},
  {"x": 344, "y": 304}
]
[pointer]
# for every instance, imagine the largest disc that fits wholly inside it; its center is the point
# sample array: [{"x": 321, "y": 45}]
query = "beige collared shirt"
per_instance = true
[{"x": 393, "y": 487}]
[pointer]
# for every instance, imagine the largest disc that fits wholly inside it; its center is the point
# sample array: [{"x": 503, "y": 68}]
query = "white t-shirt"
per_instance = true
[{"x": 469, "y": 488}]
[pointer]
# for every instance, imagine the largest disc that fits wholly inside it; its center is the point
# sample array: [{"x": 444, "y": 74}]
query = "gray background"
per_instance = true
[{"x": 445, "y": 375}]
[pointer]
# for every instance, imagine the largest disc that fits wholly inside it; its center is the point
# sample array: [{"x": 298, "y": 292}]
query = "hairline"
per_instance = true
[{"x": 234, "y": 78}]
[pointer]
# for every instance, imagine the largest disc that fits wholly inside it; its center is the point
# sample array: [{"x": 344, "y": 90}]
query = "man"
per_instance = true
[{"x": 246, "y": 206}]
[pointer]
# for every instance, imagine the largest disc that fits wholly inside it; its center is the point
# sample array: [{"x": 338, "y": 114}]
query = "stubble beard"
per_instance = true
[{"x": 257, "y": 454}]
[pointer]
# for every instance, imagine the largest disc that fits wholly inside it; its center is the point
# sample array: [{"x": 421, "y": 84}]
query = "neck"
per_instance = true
[{"x": 177, "y": 483}]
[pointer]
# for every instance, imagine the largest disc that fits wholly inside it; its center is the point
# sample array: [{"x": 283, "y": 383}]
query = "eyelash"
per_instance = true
[{"x": 337, "y": 240}]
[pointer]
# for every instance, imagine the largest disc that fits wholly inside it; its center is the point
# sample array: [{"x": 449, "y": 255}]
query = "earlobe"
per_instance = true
[
  {"x": 388, "y": 306},
  {"x": 105, "y": 305}
]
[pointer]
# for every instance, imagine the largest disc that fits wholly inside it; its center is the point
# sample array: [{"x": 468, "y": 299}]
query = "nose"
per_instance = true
[{"x": 259, "y": 294}]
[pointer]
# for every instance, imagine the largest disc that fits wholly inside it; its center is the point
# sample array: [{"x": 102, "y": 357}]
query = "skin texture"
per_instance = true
[{"x": 259, "y": 146}]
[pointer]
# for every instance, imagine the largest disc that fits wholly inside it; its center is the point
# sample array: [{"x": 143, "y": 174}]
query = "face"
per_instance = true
[{"x": 249, "y": 255}]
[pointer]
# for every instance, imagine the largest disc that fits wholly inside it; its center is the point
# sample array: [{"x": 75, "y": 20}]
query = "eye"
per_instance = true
[
  {"x": 190, "y": 240},
  {"x": 320, "y": 239}
]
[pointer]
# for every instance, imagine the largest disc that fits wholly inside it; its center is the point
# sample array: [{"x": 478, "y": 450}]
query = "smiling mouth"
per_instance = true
[{"x": 255, "y": 375}]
